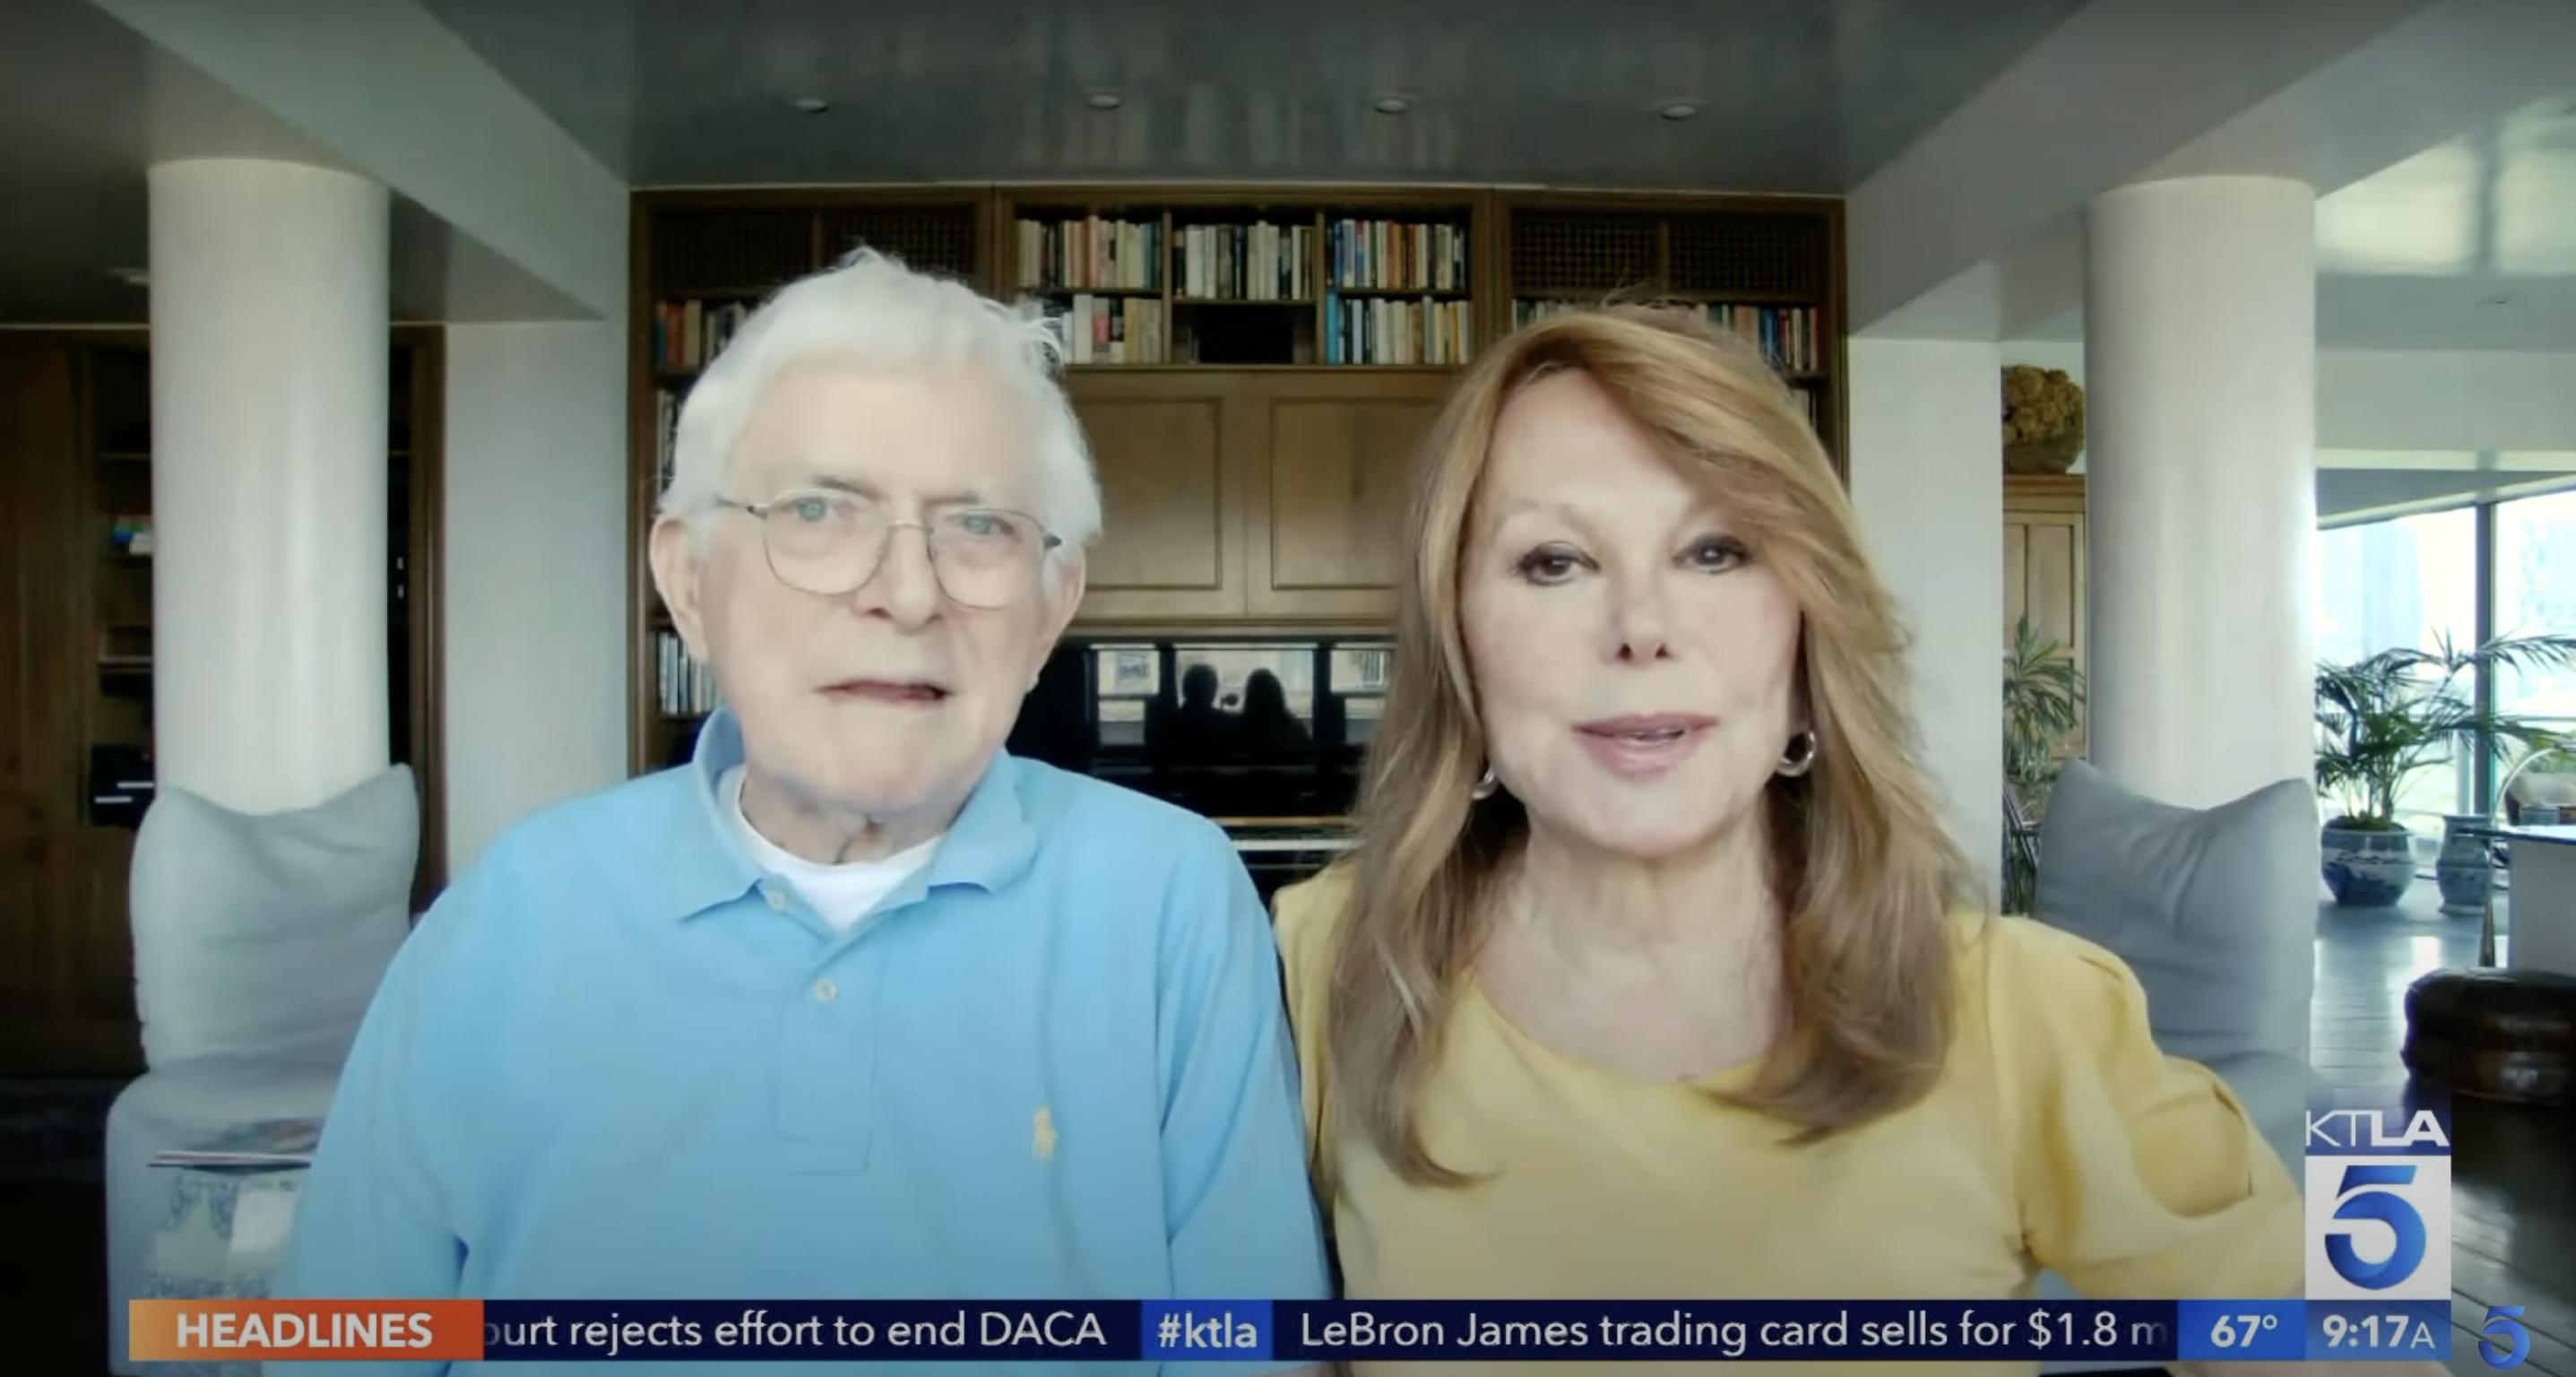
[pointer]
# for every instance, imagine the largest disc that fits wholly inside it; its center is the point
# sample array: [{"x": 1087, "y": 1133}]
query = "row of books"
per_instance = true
[
  {"x": 1390, "y": 330},
  {"x": 685, "y": 686},
  {"x": 1790, "y": 336},
  {"x": 1393, "y": 254},
  {"x": 1256, "y": 262},
  {"x": 687, "y": 335},
  {"x": 1109, "y": 329},
  {"x": 1091, "y": 252}
]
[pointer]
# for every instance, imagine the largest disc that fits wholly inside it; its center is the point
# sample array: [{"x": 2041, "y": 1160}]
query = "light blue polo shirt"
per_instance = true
[{"x": 615, "y": 1060}]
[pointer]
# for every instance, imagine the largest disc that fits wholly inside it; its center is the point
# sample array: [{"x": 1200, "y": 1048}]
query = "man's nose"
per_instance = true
[{"x": 905, "y": 589}]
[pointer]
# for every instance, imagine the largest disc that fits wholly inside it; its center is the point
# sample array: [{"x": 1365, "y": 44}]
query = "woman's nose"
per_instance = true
[{"x": 1639, "y": 620}]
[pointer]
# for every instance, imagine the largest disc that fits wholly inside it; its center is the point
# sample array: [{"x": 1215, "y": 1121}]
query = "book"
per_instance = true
[
  {"x": 1090, "y": 253},
  {"x": 1385, "y": 254},
  {"x": 264, "y": 1143}
]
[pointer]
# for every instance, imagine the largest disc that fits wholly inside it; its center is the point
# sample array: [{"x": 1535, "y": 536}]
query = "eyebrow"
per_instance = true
[
  {"x": 963, "y": 497},
  {"x": 1702, "y": 511},
  {"x": 1526, "y": 507}
]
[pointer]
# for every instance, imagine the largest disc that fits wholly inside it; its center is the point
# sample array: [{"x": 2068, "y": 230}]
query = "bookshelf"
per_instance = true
[
  {"x": 1253, "y": 363},
  {"x": 1769, "y": 268},
  {"x": 1261, "y": 278}
]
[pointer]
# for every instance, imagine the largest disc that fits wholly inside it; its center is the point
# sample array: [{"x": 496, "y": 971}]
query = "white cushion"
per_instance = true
[{"x": 264, "y": 936}]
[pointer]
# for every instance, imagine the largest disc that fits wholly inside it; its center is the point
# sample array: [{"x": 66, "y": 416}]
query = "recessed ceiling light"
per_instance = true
[
  {"x": 1678, "y": 109},
  {"x": 810, "y": 105},
  {"x": 131, "y": 277},
  {"x": 1104, "y": 100},
  {"x": 1391, "y": 104}
]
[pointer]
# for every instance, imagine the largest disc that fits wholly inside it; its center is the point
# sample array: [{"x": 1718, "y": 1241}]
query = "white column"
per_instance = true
[
  {"x": 1927, "y": 484},
  {"x": 269, "y": 323},
  {"x": 2200, "y": 343}
]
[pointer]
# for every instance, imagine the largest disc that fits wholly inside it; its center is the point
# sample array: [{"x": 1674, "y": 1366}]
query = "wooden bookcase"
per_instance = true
[
  {"x": 76, "y": 457},
  {"x": 1750, "y": 261},
  {"x": 1252, "y": 429}
]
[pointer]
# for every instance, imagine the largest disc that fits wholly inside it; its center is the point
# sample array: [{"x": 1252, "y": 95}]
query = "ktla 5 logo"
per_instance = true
[
  {"x": 2504, "y": 1342},
  {"x": 2379, "y": 1208}
]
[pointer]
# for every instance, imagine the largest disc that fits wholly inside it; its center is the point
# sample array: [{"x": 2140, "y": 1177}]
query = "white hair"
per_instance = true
[{"x": 875, "y": 308}]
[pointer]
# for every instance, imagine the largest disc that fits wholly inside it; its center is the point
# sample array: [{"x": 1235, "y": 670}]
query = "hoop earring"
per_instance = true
[
  {"x": 1485, "y": 786},
  {"x": 1800, "y": 757}
]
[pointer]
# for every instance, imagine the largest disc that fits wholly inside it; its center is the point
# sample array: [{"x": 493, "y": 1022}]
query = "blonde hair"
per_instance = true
[{"x": 1863, "y": 869}]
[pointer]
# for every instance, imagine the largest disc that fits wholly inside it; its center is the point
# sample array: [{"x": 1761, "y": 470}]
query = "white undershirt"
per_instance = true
[{"x": 839, "y": 894}]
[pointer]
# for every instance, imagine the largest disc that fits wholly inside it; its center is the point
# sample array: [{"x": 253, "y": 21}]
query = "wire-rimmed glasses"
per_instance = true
[{"x": 831, "y": 543}]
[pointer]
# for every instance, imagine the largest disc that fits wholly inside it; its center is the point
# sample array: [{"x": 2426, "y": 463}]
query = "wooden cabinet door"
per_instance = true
[
  {"x": 66, "y": 951},
  {"x": 2044, "y": 575},
  {"x": 1331, "y": 481},
  {"x": 1170, "y": 451}
]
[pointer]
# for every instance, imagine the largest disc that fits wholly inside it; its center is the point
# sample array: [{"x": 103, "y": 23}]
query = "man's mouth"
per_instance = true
[{"x": 903, "y": 692}]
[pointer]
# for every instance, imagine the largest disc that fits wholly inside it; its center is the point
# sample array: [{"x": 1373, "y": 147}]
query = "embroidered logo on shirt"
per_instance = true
[{"x": 1042, "y": 1135}]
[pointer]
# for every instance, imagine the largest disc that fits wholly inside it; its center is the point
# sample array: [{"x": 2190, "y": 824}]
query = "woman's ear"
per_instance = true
[{"x": 674, "y": 555}]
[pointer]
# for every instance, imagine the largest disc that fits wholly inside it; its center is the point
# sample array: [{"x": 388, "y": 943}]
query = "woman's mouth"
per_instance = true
[{"x": 1644, "y": 743}]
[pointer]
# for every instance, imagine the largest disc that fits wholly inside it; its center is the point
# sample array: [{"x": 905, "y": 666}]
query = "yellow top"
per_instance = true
[{"x": 2058, "y": 1137}]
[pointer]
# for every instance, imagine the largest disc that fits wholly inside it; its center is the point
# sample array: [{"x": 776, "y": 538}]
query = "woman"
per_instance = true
[{"x": 1654, "y": 974}]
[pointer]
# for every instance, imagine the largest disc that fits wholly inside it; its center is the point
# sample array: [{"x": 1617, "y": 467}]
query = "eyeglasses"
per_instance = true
[{"x": 831, "y": 543}]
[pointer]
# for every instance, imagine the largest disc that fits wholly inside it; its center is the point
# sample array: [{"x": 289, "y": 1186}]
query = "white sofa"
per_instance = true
[{"x": 258, "y": 941}]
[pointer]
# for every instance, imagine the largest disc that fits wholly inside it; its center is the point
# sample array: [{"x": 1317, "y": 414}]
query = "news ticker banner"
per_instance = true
[{"x": 1268, "y": 1331}]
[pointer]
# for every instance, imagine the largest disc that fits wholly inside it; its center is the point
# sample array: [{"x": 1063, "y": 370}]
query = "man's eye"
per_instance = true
[
  {"x": 812, "y": 509},
  {"x": 1548, "y": 564},
  {"x": 1715, "y": 554},
  {"x": 980, "y": 523}
]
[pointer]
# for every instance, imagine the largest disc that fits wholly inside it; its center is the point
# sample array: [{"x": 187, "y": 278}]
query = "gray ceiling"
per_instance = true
[
  {"x": 1800, "y": 95},
  {"x": 87, "y": 105}
]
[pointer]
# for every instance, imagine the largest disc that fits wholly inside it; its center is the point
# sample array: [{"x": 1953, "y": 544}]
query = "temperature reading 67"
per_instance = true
[{"x": 2235, "y": 1331}]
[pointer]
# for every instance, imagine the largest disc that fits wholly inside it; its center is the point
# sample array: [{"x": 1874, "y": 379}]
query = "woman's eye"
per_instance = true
[
  {"x": 1715, "y": 554},
  {"x": 1548, "y": 564}
]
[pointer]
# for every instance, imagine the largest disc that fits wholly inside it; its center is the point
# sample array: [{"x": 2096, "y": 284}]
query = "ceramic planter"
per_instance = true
[{"x": 2367, "y": 868}]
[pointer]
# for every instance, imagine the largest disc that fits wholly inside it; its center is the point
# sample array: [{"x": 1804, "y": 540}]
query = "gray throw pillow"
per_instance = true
[
  {"x": 2215, "y": 909},
  {"x": 263, "y": 936}
]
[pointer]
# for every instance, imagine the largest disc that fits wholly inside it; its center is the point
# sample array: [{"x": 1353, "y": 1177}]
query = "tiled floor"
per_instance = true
[{"x": 2513, "y": 1198}]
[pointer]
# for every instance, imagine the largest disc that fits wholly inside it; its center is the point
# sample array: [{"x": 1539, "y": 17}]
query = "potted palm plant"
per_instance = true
[
  {"x": 2379, "y": 718},
  {"x": 2042, "y": 691}
]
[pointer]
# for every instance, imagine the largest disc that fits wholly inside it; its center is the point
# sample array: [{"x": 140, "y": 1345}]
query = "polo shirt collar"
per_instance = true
[{"x": 989, "y": 844}]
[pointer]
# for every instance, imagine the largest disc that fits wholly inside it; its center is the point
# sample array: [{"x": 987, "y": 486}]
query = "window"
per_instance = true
[
  {"x": 2410, "y": 581},
  {"x": 2535, "y": 594},
  {"x": 2406, "y": 582}
]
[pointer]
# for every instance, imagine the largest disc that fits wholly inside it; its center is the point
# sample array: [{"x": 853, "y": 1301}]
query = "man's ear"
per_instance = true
[
  {"x": 1063, "y": 599},
  {"x": 675, "y": 576}
]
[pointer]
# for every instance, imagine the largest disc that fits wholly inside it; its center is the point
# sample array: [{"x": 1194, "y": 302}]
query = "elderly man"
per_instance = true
[{"x": 855, "y": 1004}]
